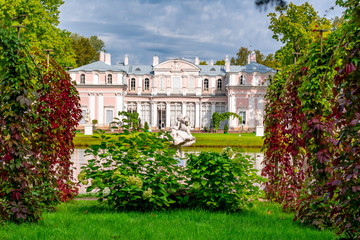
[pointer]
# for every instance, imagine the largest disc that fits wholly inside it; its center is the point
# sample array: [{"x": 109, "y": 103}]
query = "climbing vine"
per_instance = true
[
  {"x": 312, "y": 153},
  {"x": 218, "y": 117},
  {"x": 39, "y": 110}
]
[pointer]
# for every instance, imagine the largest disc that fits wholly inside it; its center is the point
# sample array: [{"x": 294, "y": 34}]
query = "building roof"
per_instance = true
[{"x": 208, "y": 70}]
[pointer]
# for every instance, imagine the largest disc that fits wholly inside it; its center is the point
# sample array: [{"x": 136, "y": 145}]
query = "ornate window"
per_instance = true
[
  {"x": 132, "y": 107},
  {"x": 132, "y": 84},
  {"x": 109, "y": 79},
  {"x": 145, "y": 113},
  {"x": 242, "y": 80},
  {"x": 206, "y": 85},
  {"x": 219, "y": 85},
  {"x": 242, "y": 114},
  {"x": 82, "y": 79},
  {"x": 146, "y": 84},
  {"x": 190, "y": 112}
]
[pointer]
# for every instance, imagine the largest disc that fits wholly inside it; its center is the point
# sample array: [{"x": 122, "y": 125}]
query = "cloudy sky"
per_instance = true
[{"x": 209, "y": 29}]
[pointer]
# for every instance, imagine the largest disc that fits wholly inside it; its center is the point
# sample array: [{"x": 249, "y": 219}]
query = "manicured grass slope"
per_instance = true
[
  {"x": 87, "y": 220},
  {"x": 244, "y": 140}
]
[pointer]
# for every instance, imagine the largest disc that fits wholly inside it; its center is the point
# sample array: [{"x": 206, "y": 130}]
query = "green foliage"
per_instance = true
[
  {"x": 312, "y": 140},
  {"x": 294, "y": 26},
  {"x": 221, "y": 181},
  {"x": 146, "y": 127},
  {"x": 136, "y": 171},
  {"x": 226, "y": 128},
  {"x": 218, "y": 117},
  {"x": 39, "y": 109},
  {"x": 131, "y": 122},
  {"x": 86, "y": 49},
  {"x": 203, "y": 63},
  {"x": 40, "y": 20}
]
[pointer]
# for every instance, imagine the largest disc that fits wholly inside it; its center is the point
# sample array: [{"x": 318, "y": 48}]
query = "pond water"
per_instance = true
[{"x": 79, "y": 159}]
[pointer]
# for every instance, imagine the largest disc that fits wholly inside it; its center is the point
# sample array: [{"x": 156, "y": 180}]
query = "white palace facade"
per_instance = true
[{"x": 163, "y": 90}]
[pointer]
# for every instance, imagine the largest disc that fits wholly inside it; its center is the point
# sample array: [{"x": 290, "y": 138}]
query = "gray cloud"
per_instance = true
[{"x": 209, "y": 29}]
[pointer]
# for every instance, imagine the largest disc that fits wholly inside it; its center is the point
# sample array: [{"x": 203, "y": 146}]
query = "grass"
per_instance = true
[
  {"x": 89, "y": 220},
  {"x": 244, "y": 140}
]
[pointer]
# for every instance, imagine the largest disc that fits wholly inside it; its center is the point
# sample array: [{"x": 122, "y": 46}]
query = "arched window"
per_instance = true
[
  {"x": 132, "y": 84},
  {"x": 146, "y": 84},
  {"x": 219, "y": 85},
  {"x": 242, "y": 80},
  {"x": 109, "y": 79},
  {"x": 82, "y": 79},
  {"x": 206, "y": 84}
]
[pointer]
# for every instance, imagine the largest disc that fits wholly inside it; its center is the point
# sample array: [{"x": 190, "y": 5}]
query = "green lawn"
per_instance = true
[
  {"x": 244, "y": 140},
  {"x": 88, "y": 220}
]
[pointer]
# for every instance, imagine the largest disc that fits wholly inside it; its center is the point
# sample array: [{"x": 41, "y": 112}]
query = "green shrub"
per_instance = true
[
  {"x": 146, "y": 127},
  {"x": 138, "y": 171},
  {"x": 221, "y": 181},
  {"x": 226, "y": 129}
]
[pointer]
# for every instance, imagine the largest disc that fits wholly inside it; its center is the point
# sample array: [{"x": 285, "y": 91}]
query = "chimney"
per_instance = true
[
  {"x": 252, "y": 57},
  {"x": 126, "y": 60},
  {"x": 102, "y": 56},
  {"x": 211, "y": 62},
  {"x": 197, "y": 61},
  {"x": 155, "y": 60},
  {"x": 227, "y": 64},
  {"x": 108, "y": 58}
]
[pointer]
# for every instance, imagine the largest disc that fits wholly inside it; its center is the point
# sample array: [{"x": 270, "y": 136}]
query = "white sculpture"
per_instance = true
[
  {"x": 180, "y": 132},
  {"x": 87, "y": 117}
]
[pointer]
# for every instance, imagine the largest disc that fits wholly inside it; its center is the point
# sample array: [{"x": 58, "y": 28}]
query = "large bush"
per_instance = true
[
  {"x": 39, "y": 109},
  {"x": 221, "y": 181},
  {"x": 138, "y": 170}
]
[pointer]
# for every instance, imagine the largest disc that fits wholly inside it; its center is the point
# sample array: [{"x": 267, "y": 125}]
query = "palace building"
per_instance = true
[{"x": 163, "y": 90}]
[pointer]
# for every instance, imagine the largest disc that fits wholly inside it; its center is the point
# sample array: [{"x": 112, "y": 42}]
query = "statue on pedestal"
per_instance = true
[{"x": 180, "y": 132}]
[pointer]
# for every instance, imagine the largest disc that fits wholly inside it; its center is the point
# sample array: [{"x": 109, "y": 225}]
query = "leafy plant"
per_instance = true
[
  {"x": 218, "y": 117},
  {"x": 137, "y": 171},
  {"x": 226, "y": 128},
  {"x": 221, "y": 181},
  {"x": 131, "y": 121},
  {"x": 146, "y": 127}
]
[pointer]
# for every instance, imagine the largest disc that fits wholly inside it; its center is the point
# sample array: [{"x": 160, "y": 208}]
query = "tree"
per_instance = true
[
  {"x": 203, "y": 63},
  {"x": 86, "y": 49},
  {"x": 97, "y": 43},
  {"x": 220, "y": 62},
  {"x": 39, "y": 20},
  {"x": 297, "y": 27}
]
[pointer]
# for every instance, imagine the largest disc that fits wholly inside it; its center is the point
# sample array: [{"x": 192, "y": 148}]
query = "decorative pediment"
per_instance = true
[{"x": 176, "y": 65}]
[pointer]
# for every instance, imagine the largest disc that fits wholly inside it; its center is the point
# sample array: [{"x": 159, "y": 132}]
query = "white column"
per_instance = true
[
  {"x": 139, "y": 85},
  {"x": 167, "y": 124},
  {"x": 119, "y": 79},
  {"x": 183, "y": 109},
  {"x": 154, "y": 121},
  {"x": 197, "y": 114},
  {"x": 251, "y": 115},
  {"x": 92, "y": 106},
  {"x": 232, "y": 108},
  {"x": 138, "y": 108},
  {"x": 100, "y": 108},
  {"x": 119, "y": 103},
  {"x": 212, "y": 108}
]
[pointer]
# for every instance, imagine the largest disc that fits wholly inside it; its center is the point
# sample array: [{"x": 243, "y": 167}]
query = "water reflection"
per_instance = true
[{"x": 79, "y": 159}]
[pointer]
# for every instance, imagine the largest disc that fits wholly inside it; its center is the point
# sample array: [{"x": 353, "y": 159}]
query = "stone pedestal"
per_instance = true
[
  {"x": 260, "y": 131},
  {"x": 88, "y": 129}
]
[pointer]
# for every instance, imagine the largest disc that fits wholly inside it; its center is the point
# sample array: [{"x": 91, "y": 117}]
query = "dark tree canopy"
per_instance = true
[{"x": 86, "y": 49}]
